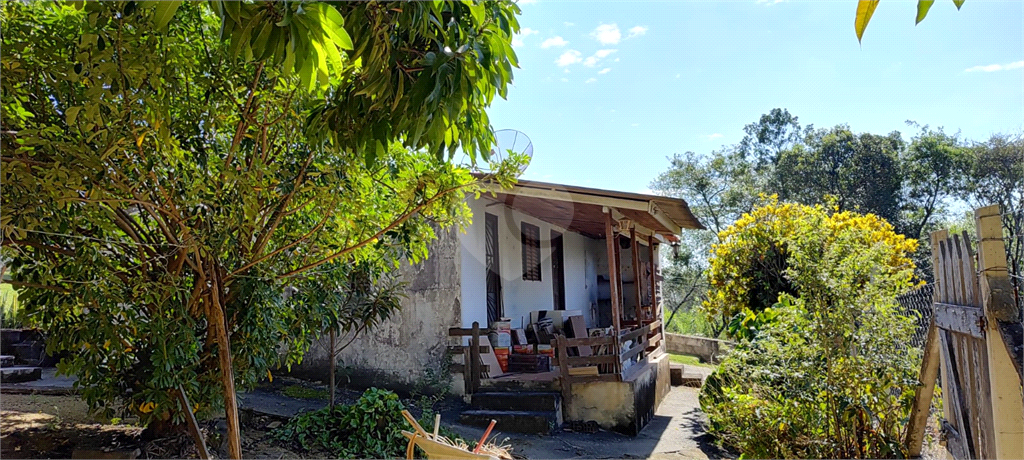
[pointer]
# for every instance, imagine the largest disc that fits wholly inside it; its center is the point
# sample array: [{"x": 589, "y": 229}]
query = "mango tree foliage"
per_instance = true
[
  {"x": 168, "y": 169},
  {"x": 866, "y": 8},
  {"x": 822, "y": 368}
]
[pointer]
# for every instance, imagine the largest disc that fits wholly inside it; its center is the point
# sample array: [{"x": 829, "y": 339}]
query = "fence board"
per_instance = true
[{"x": 958, "y": 318}]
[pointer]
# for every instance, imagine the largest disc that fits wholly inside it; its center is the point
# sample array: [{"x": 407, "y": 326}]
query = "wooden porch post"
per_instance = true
[
  {"x": 635, "y": 245},
  {"x": 999, "y": 307},
  {"x": 613, "y": 281},
  {"x": 655, "y": 306}
]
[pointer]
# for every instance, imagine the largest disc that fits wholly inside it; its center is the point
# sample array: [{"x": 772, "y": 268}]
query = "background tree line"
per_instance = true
[{"x": 930, "y": 181}]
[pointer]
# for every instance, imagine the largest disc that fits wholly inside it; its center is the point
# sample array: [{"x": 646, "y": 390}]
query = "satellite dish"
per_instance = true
[{"x": 506, "y": 140}]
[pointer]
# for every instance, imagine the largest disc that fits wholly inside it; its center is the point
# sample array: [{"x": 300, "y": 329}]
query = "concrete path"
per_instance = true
[{"x": 677, "y": 431}]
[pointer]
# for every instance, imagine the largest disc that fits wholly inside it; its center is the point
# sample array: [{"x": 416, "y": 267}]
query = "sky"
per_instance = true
[{"x": 608, "y": 91}]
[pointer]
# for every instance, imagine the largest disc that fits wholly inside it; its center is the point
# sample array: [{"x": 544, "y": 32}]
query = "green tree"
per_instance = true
[
  {"x": 996, "y": 176},
  {"x": 859, "y": 171},
  {"x": 169, "y": 168}
]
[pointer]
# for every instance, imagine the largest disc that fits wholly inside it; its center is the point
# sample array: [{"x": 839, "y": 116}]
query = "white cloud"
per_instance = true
[
  {"x": 678, "y": 75},
  {"x": 616, "y": 60},
  {"x": 569, "y": 57},
  {"x": 517, "y": 39},
  {"x": 996, "y": 67},
  {"x": 635, "y": 124},
  {"x": 714, "y": 136},
  {"x": 569, "y": 24},
  {"x": 590, "y": 80},
  {"x": 596, "y": 57},
  {"x": 557, "y": 42},
  {"x": 526, "y": 2},
  {"x": 605, "y": 70},
  {"x": 636, "y": 32},
  {"x": 607, "y": 34},
  {"x": 565, "y": 79},
  {"x": 566, "y": 70},
  {"x": 769, "y": 2}
]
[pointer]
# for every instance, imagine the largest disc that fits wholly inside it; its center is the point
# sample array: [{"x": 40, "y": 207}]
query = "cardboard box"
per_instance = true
[
  {"x": 503, "y": 324},
  {"x": 523, "y": 349},
  {"x": 502, "y": 354},
  {"x": 502, "y": 339},
  {"x": 546, "y": 350}
]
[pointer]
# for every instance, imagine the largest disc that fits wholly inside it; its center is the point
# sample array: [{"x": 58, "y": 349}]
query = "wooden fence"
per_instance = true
[{"x": 983, "y": 413}]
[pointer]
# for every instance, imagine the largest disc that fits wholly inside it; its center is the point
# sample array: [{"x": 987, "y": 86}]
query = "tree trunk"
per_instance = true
[
  {"x": 334, "y": 357},
  {"x": 219, "y": 321}
]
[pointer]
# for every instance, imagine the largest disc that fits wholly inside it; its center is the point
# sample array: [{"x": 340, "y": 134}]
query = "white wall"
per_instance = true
[{"x": 521, "y": 297}]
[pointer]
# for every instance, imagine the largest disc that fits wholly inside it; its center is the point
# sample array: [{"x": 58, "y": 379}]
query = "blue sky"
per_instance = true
[{"x": 608, "y": 90}]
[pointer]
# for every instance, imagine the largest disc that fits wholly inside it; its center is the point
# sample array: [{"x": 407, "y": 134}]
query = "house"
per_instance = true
[{"x": 536, "y": 250}]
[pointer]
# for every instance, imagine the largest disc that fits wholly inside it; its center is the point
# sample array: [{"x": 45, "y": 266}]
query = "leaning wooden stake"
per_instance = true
[
  {"x": 924, "y": 392},
  {"x": 193, "y": 425},
  {"x": 1001, "y": 313}
]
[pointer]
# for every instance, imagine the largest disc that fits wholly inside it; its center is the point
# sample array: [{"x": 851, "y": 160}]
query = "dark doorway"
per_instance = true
[
  {"x": 557, "y": 270},
  {"x": 494, "y": 304}
]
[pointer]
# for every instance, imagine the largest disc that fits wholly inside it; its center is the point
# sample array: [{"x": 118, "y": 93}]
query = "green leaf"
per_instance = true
[
  {"x": 922, "y": 9},
  {"x": 164, "y": 13},
  {"x": 865, "y": 8},
  {"x": 259, "y": 45},
  {"x": 72, "y": 114},
  {"x": 958, "y": 3}
]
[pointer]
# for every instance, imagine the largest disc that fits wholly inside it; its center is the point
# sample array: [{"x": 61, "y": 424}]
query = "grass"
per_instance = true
[
  {"x": 690, "y": 361},
  {"x": 689, "y": 322},
  {"x": 302, "y": 392}
]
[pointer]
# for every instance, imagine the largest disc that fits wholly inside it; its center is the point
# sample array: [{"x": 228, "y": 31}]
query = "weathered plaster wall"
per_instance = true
[
  {"x": 708, "y": 350},
  {"x": 397, "y": 353},
  {"x": 520, "y": 296},
  {"x": 627, "y": 406}
]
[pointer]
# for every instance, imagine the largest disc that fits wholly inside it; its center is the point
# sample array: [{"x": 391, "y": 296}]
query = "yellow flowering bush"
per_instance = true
[{"x": 823, "y": 367}]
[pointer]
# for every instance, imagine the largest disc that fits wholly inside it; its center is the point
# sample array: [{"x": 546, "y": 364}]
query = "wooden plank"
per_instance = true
[
  {"x": 474, "y": 358},
  {"x": 988, "y": 417},
  {"x": 631, "y": 335},
  {"x": 970, "y": 275},
  {"x": 634, "y": 246},
  {"x": 958, "y": 271},
  {"x": 460, "y": 349},
  {"x": 581, "y": 371},
  {"x": 1004, "y": 344},
  {"x": 193, "y": 425},
  {"x": 588, "y": 360},
  {"x": 937, "y": 291},
  {"x": 465, "y": 331},
  {"x": 457, "y": 368},
  {"x": 655, "y": 306},
  {"x": 635, "y": 350},
  {"x": 613, "y": 272},
  {"x": 951, "y": 385},
  {"x": 579, "y": 324},
  {"x": 589, "y": 341},
  {"x": 955, "y": 441},
  {"x": 958, "y": 318},
  {"x": 488, "y": 358},
  {"x": 914, "y": 440}
]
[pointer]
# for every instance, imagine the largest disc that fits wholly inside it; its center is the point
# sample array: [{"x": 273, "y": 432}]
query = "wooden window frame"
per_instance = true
[{"x": 530, "y": 237}]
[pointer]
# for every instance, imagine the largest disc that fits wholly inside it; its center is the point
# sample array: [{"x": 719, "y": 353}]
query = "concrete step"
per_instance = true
[
  {"x": 517, "y": 401},
  {"x": 6, "y": 360},
  {"x": 20, "y": 374},
  {"x": 513, "y": 421}
]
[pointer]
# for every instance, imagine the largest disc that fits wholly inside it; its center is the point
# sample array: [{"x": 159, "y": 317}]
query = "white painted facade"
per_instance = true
[{"x": 583, "y": 258}]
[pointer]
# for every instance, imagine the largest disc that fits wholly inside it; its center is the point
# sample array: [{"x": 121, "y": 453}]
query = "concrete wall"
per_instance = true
[
  {"x": 627, "y": 406},
  {"x": 520, "y": 296},
  {"x": 708, "y": 350},
  {"x": 397, "y": 353}
]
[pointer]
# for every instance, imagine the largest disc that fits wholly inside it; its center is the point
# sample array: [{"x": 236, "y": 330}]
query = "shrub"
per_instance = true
[
  {"x": 369, "y": 428},
  {"x": 823, "y": 368}
]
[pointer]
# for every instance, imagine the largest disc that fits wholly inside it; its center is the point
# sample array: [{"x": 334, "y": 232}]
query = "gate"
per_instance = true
[{"x": 968, "y": 345}]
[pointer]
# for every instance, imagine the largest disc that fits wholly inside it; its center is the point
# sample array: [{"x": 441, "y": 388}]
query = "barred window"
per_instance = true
[{"x": 531, "y": 252}]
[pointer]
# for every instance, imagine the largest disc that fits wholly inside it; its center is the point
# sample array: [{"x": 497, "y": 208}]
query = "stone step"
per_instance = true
[
  {"x": 6, "y": 360},
  {"x": 513, "y": 421},
  {"x": 679, "y": 376},
  {"x": 517, "y": 401},
  {"x": 20, "y": 374}
]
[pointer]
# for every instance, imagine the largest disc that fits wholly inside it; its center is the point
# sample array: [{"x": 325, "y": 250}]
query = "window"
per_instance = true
[{"x": 531, "y": 252}]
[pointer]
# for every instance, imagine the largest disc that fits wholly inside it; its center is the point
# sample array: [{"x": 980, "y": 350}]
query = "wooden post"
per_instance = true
[
  {"x": 655, "y": 306},
  {"x": 193, "y": 425},
  {"x": 474, "y": 358},
  {"x": 613, "y": 280},
  {"x": 923, "y": 393},
  {"x": 563, "y": 369},
  {"x": 634, "y": 244},
  {"x": 938, "y": 295},
  {"x": 999, "y": 308}
]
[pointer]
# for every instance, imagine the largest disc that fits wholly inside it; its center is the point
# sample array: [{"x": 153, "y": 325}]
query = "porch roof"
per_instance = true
[{"x": 581, "y": 209}]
